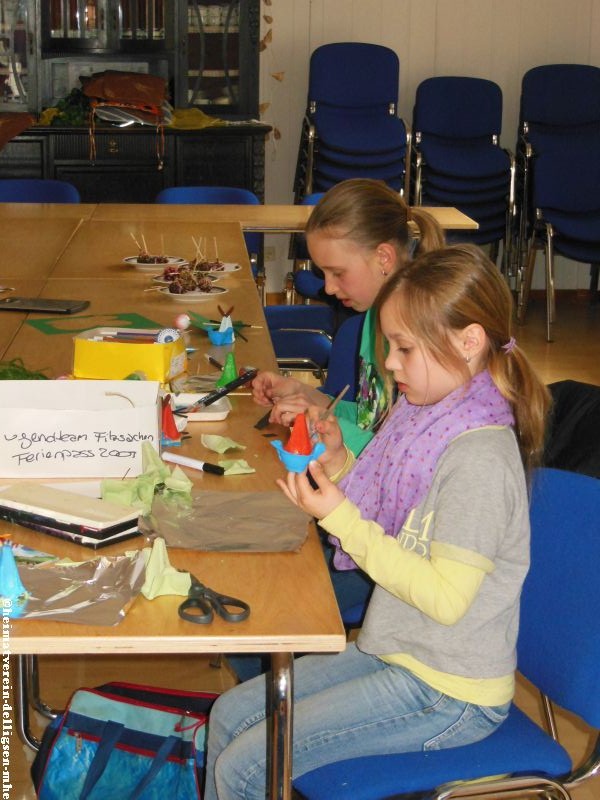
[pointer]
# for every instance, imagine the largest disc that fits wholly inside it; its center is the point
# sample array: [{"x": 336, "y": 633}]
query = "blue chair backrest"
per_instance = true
[
  {"x": 319, "y": 317},
  {"x": 37, "y": 190},
  {"x": 354, "y": 74},
  {"x": 307, "y": 283},
  {"x": 561, "y": 95},
  {"x": 458, "y": 107},
  {"x": 559, "y": 634},
  {"x": 311, "y": 199},
  {"x": 217, "y": 195},
  {"x": 569, "y": 184},
  {"x": 205, "y": 195},
  {"x": 343, "y": 361}
]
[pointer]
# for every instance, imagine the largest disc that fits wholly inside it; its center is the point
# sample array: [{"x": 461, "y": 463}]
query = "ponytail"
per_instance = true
[
  {"x": 529, "y": 397},
  {"x": 431, "y": 236}
]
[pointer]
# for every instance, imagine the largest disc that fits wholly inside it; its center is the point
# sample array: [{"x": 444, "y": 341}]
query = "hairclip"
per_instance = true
[{"x": 510, "y": 345}]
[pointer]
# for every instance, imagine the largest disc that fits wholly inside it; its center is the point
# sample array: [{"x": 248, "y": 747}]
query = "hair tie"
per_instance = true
[{"x": 510, "y": 345}]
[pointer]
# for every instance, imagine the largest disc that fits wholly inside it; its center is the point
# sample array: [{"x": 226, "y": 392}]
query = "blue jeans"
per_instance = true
[{"x": 345, "y": 705}]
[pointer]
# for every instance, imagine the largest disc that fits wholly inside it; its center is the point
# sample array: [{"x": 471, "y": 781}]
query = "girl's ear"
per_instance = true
[
  {"x": 473, "y": 340},
  {"x": 386, "y": 257}
]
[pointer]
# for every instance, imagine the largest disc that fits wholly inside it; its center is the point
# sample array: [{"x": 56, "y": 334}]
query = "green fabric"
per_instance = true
[
  {"x": 162, "y": 578},
  {"x": 139, "y": 492},
  {"x": 219, "y": 444},
  {"x": 238, "y": 466}
]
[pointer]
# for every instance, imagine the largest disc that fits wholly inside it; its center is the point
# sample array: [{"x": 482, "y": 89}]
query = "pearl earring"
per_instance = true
[{"x": 384, "y": 273}]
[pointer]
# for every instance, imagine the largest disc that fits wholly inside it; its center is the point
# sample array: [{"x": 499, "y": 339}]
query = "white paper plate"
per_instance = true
[
  {"x": 213, "y": 413},
  {"x": 133, "y": 262},
  {"x": 227, "y": 267},
  {"x": 160, "y": 281},
  {"x": 192, "y": 297}
]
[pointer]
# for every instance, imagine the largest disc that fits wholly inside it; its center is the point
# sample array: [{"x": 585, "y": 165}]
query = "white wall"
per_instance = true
[{"x": 495, "y": 39}]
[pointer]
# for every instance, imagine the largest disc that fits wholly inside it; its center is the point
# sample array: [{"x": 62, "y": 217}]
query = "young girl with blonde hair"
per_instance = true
[
  {"x": 359, "y": 234},
  {"x": 435, "y": 510}
]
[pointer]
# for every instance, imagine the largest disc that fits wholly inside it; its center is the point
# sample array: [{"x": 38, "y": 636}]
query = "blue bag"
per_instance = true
[{"x": 125, "y": 741}]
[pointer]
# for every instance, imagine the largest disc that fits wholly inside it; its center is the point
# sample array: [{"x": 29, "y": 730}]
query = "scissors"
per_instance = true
[{"x": 202, "y": 602}]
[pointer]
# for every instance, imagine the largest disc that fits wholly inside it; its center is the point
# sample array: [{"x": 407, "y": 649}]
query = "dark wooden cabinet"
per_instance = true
[
  {"x": 206, "y": 49},
  {"x": 133, "y": 165}
]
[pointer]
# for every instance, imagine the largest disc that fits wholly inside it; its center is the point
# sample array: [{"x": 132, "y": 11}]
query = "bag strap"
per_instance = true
[
  {"x": 110, "y": 736},
  {"x": 159, "y": 760}
]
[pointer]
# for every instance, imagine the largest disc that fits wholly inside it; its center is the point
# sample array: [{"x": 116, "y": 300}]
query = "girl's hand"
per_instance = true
[
  {"x": 329, "y": 432},
  {"x": 286, "y": 408},
  {"x": 317, "y": 502},
  {"x": 268, "y": 387}
]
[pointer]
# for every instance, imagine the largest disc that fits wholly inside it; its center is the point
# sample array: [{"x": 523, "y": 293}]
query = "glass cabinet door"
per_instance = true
[
  {"x": 220, "y": 56},
  {"x": 14, "y": 51},
  {"x": 75, "y": 24},
  {"x": 102, "y": 25},
  {"x": 142, "y": 19}
]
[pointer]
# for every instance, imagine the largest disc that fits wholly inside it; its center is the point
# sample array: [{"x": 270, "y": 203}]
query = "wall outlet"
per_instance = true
[{"x": 269, "y": 254}]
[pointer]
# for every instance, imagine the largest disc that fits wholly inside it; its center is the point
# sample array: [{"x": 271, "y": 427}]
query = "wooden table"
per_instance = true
[
  {"x": 290, "y": 594},
  {"x": 265, "y": 218},
  {"x": 77, "y": 252}
]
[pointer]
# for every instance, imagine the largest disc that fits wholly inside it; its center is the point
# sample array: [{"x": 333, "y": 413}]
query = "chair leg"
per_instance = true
[
  {"x": 594, "y": 275},
  {"x": 290, "y": 294},
  {"x": 494, "y": 248},
  {"x": 526, "y": 279},
  {"x": 550, "y": 295}
]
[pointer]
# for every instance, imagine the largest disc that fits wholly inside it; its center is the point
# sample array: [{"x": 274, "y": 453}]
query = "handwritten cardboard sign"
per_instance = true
[{"x": 81, "y": 428}]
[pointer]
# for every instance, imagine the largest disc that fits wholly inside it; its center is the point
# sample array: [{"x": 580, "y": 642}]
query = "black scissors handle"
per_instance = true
[
  {"x": 222, "y": 604},
  {"x": 202, "y": 602},
  {"x": 195, "y": 609}
]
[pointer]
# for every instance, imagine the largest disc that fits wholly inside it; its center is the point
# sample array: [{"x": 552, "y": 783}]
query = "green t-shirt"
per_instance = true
[{"x": 359, "y": 418}]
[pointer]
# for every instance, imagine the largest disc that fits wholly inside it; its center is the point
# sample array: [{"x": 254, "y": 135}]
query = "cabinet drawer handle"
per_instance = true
[{"x": 113, "y": 146}]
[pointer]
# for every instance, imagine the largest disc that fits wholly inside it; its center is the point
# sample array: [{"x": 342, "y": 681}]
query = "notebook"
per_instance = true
[{"x": 88, "y": 521}]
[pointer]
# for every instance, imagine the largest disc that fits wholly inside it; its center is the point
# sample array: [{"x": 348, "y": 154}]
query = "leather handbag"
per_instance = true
[{"x": 127, "y": 741}]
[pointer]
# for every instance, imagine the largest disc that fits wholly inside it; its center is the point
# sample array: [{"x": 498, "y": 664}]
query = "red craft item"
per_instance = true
[
  {"x": 169, "y": 428},
  {"x": 299, "y": 441}
]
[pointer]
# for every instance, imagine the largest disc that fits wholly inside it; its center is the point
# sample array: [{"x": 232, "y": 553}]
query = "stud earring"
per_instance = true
[
  {"x": 468, "y": 359},
  {"x": 384, "y": 273}
]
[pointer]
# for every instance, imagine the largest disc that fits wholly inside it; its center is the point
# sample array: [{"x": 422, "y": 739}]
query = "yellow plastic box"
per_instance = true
[{"x": 97, "y": 354}]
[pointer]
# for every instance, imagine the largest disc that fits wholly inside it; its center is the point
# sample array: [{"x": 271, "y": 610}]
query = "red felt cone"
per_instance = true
[{"x": 299, "y": 441}]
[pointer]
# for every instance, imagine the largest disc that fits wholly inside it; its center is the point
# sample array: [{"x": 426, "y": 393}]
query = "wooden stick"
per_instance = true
[
  {"x": 137, "y": 244},
  {"x": 145, "y": 245},
  {"x": 331, "y": 406},
  {"x": 215, "y": 246}
]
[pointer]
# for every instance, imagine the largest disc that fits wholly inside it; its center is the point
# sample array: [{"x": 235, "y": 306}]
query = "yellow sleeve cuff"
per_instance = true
[{"x": 348, "y": 463}]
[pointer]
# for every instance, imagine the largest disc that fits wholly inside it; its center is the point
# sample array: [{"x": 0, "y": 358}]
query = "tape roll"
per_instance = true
[{"x": 167, "y": 335}]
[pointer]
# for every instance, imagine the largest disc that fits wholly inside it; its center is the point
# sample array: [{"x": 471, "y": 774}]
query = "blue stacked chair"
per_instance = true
[
  {"x": 566, "y": 217},
  {"x": 558, "y": 651},
  {"x": 223, "y": 195},
  {"x": 37, "y": 190},
  {"x": 307, "y": 280},
  {"x": 351, "y": 128},
  {"x": 301, "y": 336},
  {"x": 457, "y": 159},
  {"x": 559, "y": 115}
]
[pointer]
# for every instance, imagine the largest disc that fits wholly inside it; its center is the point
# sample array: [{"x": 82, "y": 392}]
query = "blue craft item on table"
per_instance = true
[
  {"x": 12, "y": 592},
  {"x": 296, "y": 462},
  {"x": 221, "y": 337}
]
